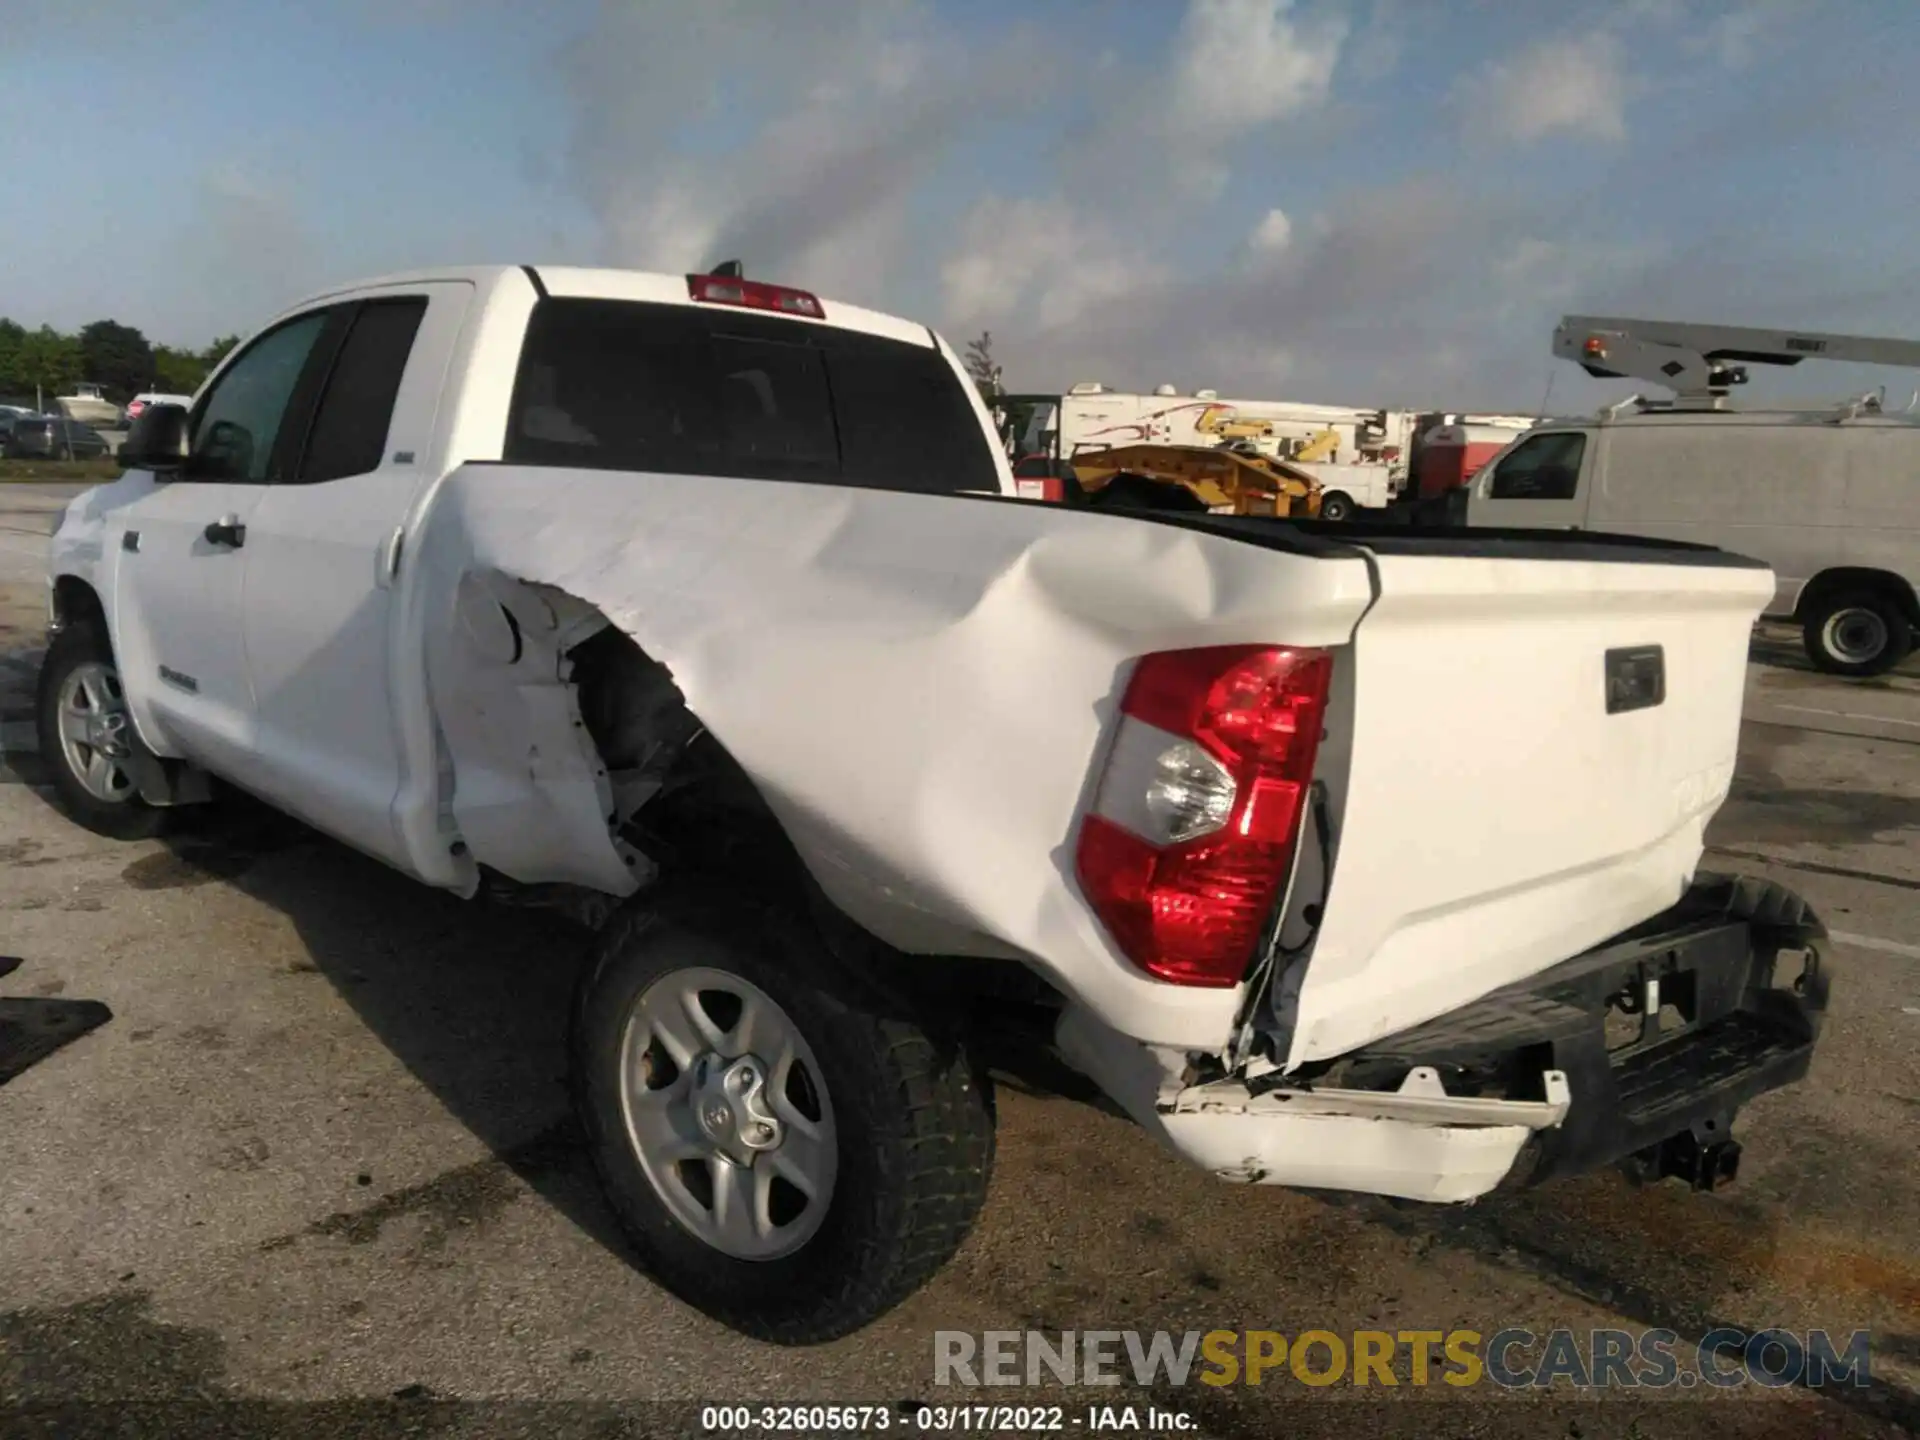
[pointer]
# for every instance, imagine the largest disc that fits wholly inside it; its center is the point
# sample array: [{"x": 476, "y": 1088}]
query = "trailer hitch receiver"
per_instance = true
[{"x": 1705, "y": 1156}]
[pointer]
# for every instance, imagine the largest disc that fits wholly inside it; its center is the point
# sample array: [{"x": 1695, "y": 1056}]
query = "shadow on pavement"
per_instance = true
[{"x": 472, "y": 998}]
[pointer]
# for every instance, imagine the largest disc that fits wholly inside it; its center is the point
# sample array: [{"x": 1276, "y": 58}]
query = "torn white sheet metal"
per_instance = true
[
  {"x": 530, "y": 796},
  {"x": 1418, "y": 1142},
  {"x": 1413, "y": 1161},
  {"x": 918, "y": 684},
  {"x": 1421, "y": 1098}
]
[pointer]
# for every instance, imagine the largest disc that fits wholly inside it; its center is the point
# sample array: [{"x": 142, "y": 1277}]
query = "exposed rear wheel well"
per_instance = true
[
  {"x": 679, "y": 797},
  {"x": 1843, "y": 579},
  {"x": 684, "y": 802}
]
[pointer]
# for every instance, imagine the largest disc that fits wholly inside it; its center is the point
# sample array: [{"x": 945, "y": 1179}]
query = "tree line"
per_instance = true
[{"x": 37, "y": 365}]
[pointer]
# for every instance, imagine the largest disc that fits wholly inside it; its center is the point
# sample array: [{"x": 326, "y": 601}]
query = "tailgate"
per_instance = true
[{"x": 1497, "y": 815}]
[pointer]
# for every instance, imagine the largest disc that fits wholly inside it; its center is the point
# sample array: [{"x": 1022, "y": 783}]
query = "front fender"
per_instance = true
[{"x": 85, "y": 552}]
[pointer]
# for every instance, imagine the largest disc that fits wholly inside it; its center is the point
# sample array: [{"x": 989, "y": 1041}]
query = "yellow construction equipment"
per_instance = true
[
  {"x": 1229, "y": 424},
  {"x": 1323, "y": 446},
  {"x": 1238, "y": 482}
]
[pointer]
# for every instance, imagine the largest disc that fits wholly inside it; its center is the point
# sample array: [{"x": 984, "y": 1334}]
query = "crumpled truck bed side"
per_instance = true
[{"x": 919, "y": 685}]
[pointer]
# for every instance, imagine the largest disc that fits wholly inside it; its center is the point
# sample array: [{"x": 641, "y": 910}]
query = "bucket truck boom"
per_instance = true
[{"x": 1701, "y": 363}]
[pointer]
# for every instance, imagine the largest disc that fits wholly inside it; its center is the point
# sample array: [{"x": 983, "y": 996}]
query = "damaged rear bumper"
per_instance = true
[
  {"x": 1637, "y": 1052},
  {"x": 1663, "y": 1033}
]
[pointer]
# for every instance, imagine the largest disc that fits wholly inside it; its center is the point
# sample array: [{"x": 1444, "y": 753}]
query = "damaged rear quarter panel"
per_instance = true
[{"x": 918, "y": 684}]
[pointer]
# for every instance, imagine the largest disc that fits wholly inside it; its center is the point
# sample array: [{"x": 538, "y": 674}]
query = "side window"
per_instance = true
[
  {"x": 236, "y": 425},
  {"x": 1545, "y": 467},
  {"x": 349, "y": 434}
]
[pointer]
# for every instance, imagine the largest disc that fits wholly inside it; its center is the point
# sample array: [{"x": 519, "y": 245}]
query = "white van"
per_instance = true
[{"x": 1830, "y": 500}]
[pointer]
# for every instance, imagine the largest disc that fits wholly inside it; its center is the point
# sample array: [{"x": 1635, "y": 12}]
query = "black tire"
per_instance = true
[
  {"x": 1336, "y": 506},
  {"x": 1857, "y": 632},
  {"x": 913, "y": 1119},
  {"x": 79, "y": 643}
]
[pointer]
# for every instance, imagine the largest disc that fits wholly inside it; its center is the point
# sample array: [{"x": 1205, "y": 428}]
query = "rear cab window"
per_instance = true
[
  {"x": 676, "y": 389},
  {"x": 349, "y": 433}
]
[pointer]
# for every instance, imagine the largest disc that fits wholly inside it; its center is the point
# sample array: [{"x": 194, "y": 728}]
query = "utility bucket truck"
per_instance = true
[{"x": 1827, "y": 495}]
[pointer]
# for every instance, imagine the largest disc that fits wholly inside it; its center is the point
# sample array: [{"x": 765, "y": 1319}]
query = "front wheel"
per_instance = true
[
  {"x": 1858, "y": 633},
  {"x": 86, "y": 737},
  {"x": 1336, "y": 507},
  {"x": 788, "y": 1153}
]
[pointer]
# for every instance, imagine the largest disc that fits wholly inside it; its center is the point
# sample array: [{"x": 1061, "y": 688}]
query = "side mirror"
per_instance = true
[{"x": 157, "y": 441}]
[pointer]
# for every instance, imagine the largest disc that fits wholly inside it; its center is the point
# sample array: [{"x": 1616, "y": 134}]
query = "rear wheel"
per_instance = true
[
  {"x": 1336, "y": 506},
  {"x": 788, "y": 1153},
  {"x": 87, "y": 739},
  {"x": 1857, "y": 632}
]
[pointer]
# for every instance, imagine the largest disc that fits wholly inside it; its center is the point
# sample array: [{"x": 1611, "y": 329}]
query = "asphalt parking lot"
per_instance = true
[{"x": 317, "y": 1169}]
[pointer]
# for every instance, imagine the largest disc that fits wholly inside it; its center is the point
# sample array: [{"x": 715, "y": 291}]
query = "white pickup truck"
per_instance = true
[{"x": 1343, "y": 856}]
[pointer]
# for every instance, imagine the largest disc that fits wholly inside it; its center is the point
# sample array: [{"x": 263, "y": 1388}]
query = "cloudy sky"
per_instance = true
[{"x": 1356, "y": 201}]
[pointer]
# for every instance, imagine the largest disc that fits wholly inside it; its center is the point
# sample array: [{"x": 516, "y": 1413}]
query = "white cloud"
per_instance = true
[
  {"x": 1531, "y": 262},
  {"x": 1037, "y": 260},
  {"x": 1304, "y": 317},
  {"x": 1249, "y": 367},
  {"x": 811, "y": 151},
  {"x": 792, "y": 138},
  {"x": 1243, "y": 64},
  {"x": 1737, "y": 37},
  {"x": 1567, "y": 85},
  {"x": 1382, "y": 42},
  {"x": 675, "y": 225},
  {"x": 1273, "y": 234},
  {"x": 1537, "y": 278},
  {"x": 1173, "y": 120}
]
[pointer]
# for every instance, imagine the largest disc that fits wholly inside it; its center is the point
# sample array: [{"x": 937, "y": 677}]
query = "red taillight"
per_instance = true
[
  {"x": 753, "y": 295},
  {"x": 1191, "y": 835}
]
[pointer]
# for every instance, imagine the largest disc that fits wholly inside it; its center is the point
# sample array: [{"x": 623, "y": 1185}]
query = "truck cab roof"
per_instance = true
[{"x": 609, "y": 283}]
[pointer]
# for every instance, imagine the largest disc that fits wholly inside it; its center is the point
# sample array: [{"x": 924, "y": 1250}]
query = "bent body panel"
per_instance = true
[{"x": 918, "y": 684}]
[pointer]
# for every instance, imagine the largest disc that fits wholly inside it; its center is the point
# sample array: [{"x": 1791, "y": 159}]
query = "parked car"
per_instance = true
[
  {"x": 48, "y": 437},
  {"x": 153, "y": 397},
  {"x": 709, "y": 610},
  {"x": 9, "y": 414}
]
